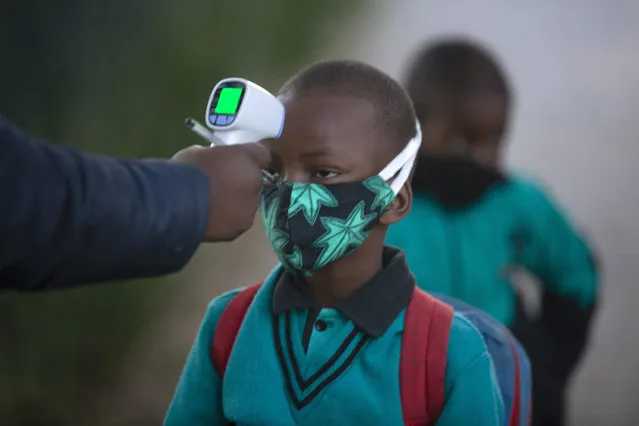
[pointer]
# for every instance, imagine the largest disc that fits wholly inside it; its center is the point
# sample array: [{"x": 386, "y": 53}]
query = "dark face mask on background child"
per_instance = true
[
  {"x": 311, "y": 225},
  {"x": 455, "y": 181}
]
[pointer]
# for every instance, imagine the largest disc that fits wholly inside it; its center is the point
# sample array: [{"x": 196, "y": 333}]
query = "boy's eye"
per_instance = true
[{"x": 324, "y": 174}]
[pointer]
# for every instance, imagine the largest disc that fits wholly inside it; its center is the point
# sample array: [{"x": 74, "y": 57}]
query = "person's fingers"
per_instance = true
[
  {"x": 259, "y": 154},
  {"x": 187, "y": 151}
]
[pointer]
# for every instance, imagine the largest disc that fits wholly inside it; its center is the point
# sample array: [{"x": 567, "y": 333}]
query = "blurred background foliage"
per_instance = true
[{"x": 119, "y": 77}]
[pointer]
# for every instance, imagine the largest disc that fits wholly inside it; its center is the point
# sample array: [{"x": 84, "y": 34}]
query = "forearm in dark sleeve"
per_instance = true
[
  {"x": 70, "y": 218},
  {"x": 568, "y": 325}
]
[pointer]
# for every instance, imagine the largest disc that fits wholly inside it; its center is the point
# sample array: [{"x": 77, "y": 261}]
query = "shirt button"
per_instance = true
[{"x": 321, "y": 325}]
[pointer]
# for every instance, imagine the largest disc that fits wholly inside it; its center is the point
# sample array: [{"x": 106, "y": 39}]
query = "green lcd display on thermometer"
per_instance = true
[
  {"x": 240, "y": 111},
  {"x": 226, "y": 103},
  {"x": 229, "y": 100}
]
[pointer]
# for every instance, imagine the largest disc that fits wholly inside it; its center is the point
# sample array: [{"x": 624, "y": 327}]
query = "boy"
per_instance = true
[
  {"x": 321, "y": 341},
  {"x": 472, "y": 226}
]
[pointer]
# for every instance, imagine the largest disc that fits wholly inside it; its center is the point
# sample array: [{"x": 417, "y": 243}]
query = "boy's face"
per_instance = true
[
  {"x": 334, "y": 203},
  {"x": 328, "y": 139},
  {"x": 469, "y": 126},
  {"x": 461, "y": 147}
]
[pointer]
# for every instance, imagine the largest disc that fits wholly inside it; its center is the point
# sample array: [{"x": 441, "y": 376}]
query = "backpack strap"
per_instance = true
[
  {"x": 228, "y": 326},
  {"x": 515, "y": 411},
  {"x": 422, "y": 368}
]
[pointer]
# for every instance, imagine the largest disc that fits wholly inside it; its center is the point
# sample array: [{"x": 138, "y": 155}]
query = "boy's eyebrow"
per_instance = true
[{"x": 320, "y": 152}]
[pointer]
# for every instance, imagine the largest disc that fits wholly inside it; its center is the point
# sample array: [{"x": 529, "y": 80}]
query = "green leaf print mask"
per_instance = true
[{"x": 311, "y": 225}]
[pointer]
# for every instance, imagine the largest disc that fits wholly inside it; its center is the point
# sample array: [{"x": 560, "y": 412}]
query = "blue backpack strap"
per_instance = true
[{"x": 509, "y": 358}]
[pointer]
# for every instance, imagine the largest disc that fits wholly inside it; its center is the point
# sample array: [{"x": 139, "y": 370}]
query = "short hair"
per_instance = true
[
  {"x": 395, "y": 114},
  {"x": 444, "y": 70}
]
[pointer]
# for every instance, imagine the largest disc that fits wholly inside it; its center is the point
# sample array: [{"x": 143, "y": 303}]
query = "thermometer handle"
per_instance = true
[
  {"x": 214, "y": 140},
  {"x": 203, "y": 132}
]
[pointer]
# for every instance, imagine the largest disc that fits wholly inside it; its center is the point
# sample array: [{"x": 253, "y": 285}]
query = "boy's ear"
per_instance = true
[{"x": 400, "y": 207}]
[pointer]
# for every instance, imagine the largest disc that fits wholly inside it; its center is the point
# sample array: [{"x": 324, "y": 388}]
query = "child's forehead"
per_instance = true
[
  {"x": 341, "y": 127},
  {"x": 328, "y": 118}
]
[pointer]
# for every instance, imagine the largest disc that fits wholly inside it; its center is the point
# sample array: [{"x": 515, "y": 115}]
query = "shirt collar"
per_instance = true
[{"x": 372, "y": 308}]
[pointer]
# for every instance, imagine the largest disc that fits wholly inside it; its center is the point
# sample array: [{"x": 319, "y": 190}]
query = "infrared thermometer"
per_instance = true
[{"x": 239, "y": 111}]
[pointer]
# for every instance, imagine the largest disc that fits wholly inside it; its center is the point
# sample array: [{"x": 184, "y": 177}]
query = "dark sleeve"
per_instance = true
[{"x": 68, "y": 218}]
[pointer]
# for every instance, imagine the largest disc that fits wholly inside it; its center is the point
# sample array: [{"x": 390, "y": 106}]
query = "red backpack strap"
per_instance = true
[
  {"x": 515, "y": 412},
  {"x": 228, "y": 326},
  {"x": 422, "y": 368}
]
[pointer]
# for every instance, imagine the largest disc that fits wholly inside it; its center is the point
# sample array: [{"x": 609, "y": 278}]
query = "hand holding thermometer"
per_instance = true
[{"x": 240, "y": 111}]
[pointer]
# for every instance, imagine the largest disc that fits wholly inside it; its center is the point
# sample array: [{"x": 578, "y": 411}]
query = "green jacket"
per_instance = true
[{"x": 472, "y": 254}]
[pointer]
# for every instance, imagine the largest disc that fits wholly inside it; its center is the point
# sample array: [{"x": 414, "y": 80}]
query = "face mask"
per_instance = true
[
  {"x": 311, "y": 225},
  {"x": 454, "y": 181}
]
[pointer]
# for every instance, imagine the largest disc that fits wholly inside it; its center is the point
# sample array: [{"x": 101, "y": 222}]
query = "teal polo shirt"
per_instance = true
[{"x": 297, "y": 363}]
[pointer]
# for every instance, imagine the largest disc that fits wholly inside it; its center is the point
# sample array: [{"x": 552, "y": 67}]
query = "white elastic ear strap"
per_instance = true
[{"x": 403, "y": 162}]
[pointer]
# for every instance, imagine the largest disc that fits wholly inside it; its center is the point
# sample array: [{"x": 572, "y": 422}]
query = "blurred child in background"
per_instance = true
[{"x": 473, "y": 225}]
